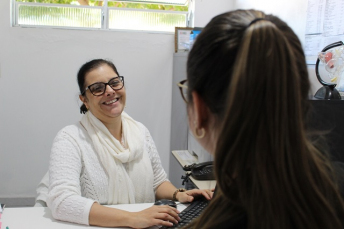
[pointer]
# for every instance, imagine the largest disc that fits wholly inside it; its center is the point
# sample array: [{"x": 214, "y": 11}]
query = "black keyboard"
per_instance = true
[{"x": 190, "y": 213}]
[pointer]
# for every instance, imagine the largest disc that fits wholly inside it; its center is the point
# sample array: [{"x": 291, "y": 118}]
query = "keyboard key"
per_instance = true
[{"x": 190, "y": 213}]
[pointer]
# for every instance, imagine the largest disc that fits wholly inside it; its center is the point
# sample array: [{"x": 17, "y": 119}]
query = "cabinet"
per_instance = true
[
  {"x": 179, "y": 122},
  {"x": 328, "y": 117},
  {"x": 181, "y": 138}
]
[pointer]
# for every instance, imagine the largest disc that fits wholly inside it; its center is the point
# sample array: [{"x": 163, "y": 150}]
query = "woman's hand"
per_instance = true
[
  {"x": 156, "y": 215},
  {"x": 188, "y": 196}
]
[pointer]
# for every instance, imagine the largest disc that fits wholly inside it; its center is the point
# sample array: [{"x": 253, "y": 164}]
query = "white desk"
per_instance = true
[
  {"x": 41, "y": 218},
  {"x": 185, "y": 158}
]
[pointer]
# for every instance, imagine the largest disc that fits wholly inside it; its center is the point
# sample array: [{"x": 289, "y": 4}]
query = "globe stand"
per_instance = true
[{"x": 327, "y": 93}]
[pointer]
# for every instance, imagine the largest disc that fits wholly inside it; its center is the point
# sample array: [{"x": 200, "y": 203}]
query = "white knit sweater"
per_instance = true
[{"x": 77, "y": 177}]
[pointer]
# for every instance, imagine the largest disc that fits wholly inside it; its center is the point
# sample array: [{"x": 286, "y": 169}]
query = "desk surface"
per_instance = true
[
  {"x": 41, "y": 218},
  {"x": 185, "y": 158}
]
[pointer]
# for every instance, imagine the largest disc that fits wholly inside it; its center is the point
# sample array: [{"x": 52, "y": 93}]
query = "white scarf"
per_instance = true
[{"x": 134, "y": 185}]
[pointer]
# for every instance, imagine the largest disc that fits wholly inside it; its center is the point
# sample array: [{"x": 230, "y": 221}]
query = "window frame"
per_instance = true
[{"x": 104, "y": 16}]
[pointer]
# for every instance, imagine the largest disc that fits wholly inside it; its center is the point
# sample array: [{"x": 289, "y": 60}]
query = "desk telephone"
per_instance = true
[{"x": 201, "y": 171}]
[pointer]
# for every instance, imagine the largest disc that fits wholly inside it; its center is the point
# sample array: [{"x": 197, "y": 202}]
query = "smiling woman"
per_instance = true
[{"x": 108, "y": 158}]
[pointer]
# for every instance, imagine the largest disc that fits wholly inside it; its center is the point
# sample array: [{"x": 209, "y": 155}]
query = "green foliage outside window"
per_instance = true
[
  {"x": 49, "y": 1},
  {"x": 113, "y": 4},
  {"x": 64, "y": 14}
]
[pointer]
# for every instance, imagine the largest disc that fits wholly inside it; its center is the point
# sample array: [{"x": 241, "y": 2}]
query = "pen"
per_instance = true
[{"x": 2, "y": 207}]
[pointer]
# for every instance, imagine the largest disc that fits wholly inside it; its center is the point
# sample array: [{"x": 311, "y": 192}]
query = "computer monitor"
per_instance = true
[{"x": 327, "y": 116}]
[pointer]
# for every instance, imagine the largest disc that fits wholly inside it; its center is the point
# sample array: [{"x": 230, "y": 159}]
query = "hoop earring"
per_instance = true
[{"x": 201, "y": 135}]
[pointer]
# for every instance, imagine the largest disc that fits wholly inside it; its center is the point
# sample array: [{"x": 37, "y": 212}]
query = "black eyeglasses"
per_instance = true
[
  {"x": 97, "y": 89},
  {"x": 183, "y": 87}
]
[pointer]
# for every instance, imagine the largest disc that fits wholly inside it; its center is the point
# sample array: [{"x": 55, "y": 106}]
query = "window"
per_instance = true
[{"x": 143, "y": 15}]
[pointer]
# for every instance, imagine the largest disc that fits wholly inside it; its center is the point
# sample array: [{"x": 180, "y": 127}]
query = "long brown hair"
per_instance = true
[{"x": 266, "y": 168}]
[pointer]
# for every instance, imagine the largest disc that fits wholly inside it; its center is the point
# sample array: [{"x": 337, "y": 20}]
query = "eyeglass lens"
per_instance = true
[{"x": 99, "y": 88}]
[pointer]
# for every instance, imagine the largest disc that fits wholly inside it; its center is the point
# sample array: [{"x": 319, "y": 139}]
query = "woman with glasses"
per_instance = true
[
  {"x": 247, "y": 93},
  {"x": 108, "y": 158}
]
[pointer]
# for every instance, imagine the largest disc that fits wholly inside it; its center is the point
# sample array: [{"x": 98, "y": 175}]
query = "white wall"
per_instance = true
[
  {"x": 293, "y": 12},
  {"x": 39, "y": 92},
  {"x": 205, "y": 10}
]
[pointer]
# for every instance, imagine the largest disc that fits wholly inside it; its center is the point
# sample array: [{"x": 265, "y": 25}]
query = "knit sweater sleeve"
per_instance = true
[
  {"x": 64, "y": 198},
  {"x": 159, "y": 173}
]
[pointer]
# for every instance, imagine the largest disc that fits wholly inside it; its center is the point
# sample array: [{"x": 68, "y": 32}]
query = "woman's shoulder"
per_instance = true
[
  {"x": 145, "y": 131},
  {"x": 75, "y": 130},
  {"x": 141, "y": 126},
  {"x": 338, "y": 167},
  {"x": 71, "y": 128},
  {"x": 239, "y": 222}
]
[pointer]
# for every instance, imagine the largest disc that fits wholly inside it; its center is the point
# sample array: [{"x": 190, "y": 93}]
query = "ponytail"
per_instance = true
[{"x": 83, "y": 109}]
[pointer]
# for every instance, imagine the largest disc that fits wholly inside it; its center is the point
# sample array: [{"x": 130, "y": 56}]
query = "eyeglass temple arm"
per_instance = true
[{"x": 182, "y": 85}]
